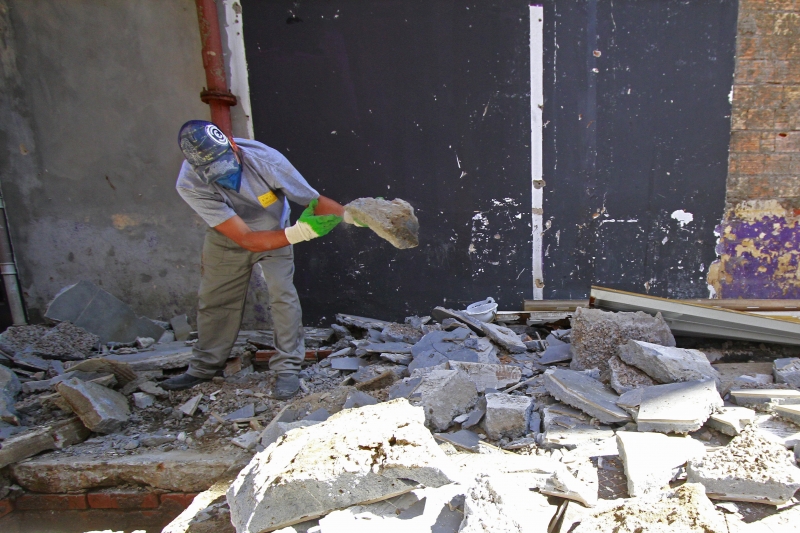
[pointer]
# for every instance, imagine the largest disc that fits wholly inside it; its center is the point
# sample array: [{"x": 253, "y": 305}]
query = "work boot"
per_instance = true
[
  {"x": 184, "y": 381},
  {"x": 286, "y": 386}
]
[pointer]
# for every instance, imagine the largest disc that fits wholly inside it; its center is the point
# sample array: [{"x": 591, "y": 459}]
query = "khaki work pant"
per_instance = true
[{"x": 225, "y": 277}]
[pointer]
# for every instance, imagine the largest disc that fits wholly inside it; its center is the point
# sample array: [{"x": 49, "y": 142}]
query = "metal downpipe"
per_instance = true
[
  {"x": 8, "y": 269},
  {"x": 216, "y": 95}
]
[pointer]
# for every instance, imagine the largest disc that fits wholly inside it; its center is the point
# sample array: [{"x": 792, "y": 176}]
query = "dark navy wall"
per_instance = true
[{"x": 421, "y": 100}]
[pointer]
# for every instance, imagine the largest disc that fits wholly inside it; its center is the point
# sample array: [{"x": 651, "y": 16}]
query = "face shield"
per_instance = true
[{"x": 209, "y": 152}]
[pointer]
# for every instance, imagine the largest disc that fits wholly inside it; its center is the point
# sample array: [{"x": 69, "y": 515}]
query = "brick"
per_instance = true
[
  {"x": 182, "y": 499},
  {"x": 747, "y": 164},
  {"x": 122, "y": 500},
  {"x": 745, "y": 141},
  {"x": 787, "y": 24},
  {"x": 753, "y": 71},
  {"x": 760, "y": 119},
  {"x": 743, "y": 94},
  {"x": 787, "y": 141},
  {"x": 767, "y": 96},
  {"x": 6, "y": 506},
  {"x": 748, "y": 47},
  {"x": 50, "y": 502},
  {"x": 777, "y": 164},
  {"x": 773, "y": 5}
]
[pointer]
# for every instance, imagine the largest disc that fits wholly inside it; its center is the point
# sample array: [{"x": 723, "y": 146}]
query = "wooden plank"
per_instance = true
[
  {"x": 746, "y": 305},
  {"x": 554, "y": 305}
]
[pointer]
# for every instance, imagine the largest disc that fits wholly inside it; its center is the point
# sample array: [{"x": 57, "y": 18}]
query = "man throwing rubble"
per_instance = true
[{"x": 240, "y": 188}]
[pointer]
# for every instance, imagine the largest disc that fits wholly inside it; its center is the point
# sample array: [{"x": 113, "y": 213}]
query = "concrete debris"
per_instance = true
[
  {"x": 65, "y": 342},
  {"x": 361, "y": 322},
  {"x": 180, "y": 327},
  {"x": 275, "y": 431},
  {"x": 596, "y": 335},
  {"x": 731, "y": 420},
  {"x": 190, "y": 407},
  {"x": 387, "y": 347},
  {"x": 406, "y": 333},
  {"x": 751, "y": 469},
  {"x": 559, "y": 353},
  {"x": 651, "y": 459},
  {"x": 742, "y": 375},
  {"x": 488, "y": 376},
  {"x": 500, "y": 503},
  {"x": 765, "y": 399},
  {"x": 674, "y": 407},
  {"x": 443, "y": 395},
  {"x": 504, "y": 337},
  {"x": 167, "y": 356},
  {"x": 10, "y": 387},
  {"x": 52, "y": 437},
  {"x": 358, "y": 399},
  {"x": 121, "y": 371},
  {"x": 89, "y": 307},
  {"x": 568, "y": 428},
  {"x": 16, "y": 338},
  {"x": 624, "y": 377},
  {"x": 347, "y": 363},
  {"x": 787, "y": 371},
  {"x": 247, "y": 441},
  {"x": 777, "y": 430},
  {"x": 101, "y": 409},
  {"x": 584, "y": 393},
  {"x": 506, "y": 415},
  {"x": 441, "y": 314},
  {"x": 463, "y": 438},
  {"x": 789, "y": 412},
  {"x": 393, "y": 220},
  {"x": 248, "y": 411},
  {"x": 142, "y": 400},
  {"x": 404, "y": 388},
  {"x": 202, "y": 515},
  {"x": 397, "y": 358},
  {"x": 667, "y": 364},
  {"x": 686, "y": 509},
  {"x": 381, "y": 451}
]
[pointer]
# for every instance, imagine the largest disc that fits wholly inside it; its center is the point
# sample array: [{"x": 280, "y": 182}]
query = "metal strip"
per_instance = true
[{"x": 537, "y": 184}]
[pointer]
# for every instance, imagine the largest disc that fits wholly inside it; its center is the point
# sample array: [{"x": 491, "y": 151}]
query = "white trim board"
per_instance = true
[
  {"x": 537, "y": 103},
  {"x": 240, "y": 85}
]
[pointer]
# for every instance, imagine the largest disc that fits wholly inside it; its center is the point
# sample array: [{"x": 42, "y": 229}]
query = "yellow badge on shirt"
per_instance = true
[{"x": 267, "y": 199}]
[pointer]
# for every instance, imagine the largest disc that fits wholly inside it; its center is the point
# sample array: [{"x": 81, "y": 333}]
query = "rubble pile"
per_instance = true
[{"x": 441, "y": 423}]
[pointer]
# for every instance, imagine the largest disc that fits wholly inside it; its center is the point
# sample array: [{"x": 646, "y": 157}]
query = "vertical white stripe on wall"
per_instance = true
[
  {"x": 537, "y": 102},
  {"x": 238, "y": 63}
]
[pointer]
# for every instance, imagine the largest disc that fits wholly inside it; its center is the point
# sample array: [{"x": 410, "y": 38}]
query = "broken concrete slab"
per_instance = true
[
  {"x": 65, "y": 342},
  {"x": 10, "y": 387},
  {"x": 88, "y": 306},
  {"x": 625, "y": 377},
  {"x": 387, "y": 347},
  {"x": 596, "y": 335},
  {"x": 488, "y": 376},
  {"x": 463, "y": 438},
  {"x": 504, "y": 503},
  {"x": 777, "y": 430},
  {"x": 166, "y": 357},
  {"x": 358, "y": 399},
  {"x": 787, "y": 371},
  {"x": 506, "y": 415},
  {"x": 397, "y": 358},
  {"x": 673, "y": 407},
  {"x": 142, "y": 400},
  {"x": 789, "y": 412},
  {"x": 361, "y": 322},
  {"x": 122, "y": 371},
  {"x": 180, "y": 327},
  {"x": 381, "y": 451},
  {"x": 504, "y": 337},
  {"x": 245, "y": 412},
  {"x": 101, "y": 409},
  {"x": 731, "y": 420},
  {"x": 51, "y": 437},
  {"x": 667, "y": 364},
  {"x": 407, "y": 333},
  {"x": 200, "y": 517},
  {"x": 275, "y": 431},
  {"x": 393, "y": 220},
  {"x": 347, "y": 363},
  {"x": 685, "y": 509},
  {"x": 651, "y": 459},
  {"x": 189, "y": 408},
  {"x": 770, "y": 475},
  {"x": 441, "y": 314},
  {"x": 445, "y": 394},
  {"x": 247, "y": 441},
  {"x": 765, "y": 399},
  {"x": 404, "y": 388},
  {"x": 731, "y": 374},
  {"x": 584, "y": 393},
  {"x": 174, "y": 471},
  {"x": 559, "y": 353}
]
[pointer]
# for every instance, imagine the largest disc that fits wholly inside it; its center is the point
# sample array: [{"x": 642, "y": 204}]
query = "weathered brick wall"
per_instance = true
[{"x": 759, "y": 240}]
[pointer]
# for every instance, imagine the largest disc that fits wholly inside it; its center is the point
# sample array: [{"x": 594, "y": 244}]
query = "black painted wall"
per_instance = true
[
  {"x": 626, "y": 145},
  {"x": 421, "y": 100},
  {"x": 429, "y": 101}
]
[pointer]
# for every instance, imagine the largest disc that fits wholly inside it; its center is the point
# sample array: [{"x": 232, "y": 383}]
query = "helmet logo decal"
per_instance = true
[{"x": 216, "y": 135}]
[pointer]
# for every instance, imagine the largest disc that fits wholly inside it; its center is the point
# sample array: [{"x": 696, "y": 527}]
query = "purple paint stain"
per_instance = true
[{"x": 770, "y": 275}]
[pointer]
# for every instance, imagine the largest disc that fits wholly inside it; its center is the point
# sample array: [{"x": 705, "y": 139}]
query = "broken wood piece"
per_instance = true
[
  {"x": 121, "y": 370},
  {"x": 53, "y": 437},
  {"x": 190, "y": 407}
]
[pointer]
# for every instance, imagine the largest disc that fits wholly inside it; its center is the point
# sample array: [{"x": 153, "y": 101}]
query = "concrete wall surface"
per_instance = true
[
  {"x": 92, "y": 94},
  {"x": 759, "y": 237}
]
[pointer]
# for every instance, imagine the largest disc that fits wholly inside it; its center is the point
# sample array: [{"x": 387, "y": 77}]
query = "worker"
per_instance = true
[{"x": 240, "y": 188}]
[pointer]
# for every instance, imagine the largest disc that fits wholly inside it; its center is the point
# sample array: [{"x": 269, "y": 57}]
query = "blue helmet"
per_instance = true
[{"x": 210, "y": 153}]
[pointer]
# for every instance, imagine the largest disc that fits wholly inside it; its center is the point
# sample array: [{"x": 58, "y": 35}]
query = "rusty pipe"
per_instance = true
[{"x": 216, "y": 94}]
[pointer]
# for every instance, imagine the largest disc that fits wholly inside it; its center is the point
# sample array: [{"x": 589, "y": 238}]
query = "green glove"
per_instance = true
[
  {"x": 348, "y": 219},
  {"x": 310, "y": 226}
]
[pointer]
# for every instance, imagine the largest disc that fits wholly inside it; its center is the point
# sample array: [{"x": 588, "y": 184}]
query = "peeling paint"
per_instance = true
[
  {"x": 757, "y": 252},
  {"x": 682, "y": 217}
]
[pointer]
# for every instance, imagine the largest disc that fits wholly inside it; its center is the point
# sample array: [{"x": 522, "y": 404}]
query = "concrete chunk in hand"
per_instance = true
[
  {"x": 667, "y": 364},
  {"x": 584, "y": 393},
  {"x": 391, "y": 220},
  {"x": 358, "y": 455},
  {"x": 101, "y": 409}
]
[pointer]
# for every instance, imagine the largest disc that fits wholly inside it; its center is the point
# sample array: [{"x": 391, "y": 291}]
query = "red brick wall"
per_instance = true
[{"x": 758, "y": 257}]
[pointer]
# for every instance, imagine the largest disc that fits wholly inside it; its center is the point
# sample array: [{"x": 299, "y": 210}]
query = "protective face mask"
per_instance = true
[{"x": 232, "y": 181}]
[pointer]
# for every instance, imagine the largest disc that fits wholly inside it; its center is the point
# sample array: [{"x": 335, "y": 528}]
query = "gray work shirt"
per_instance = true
[{"x": 268, "y": 180}]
